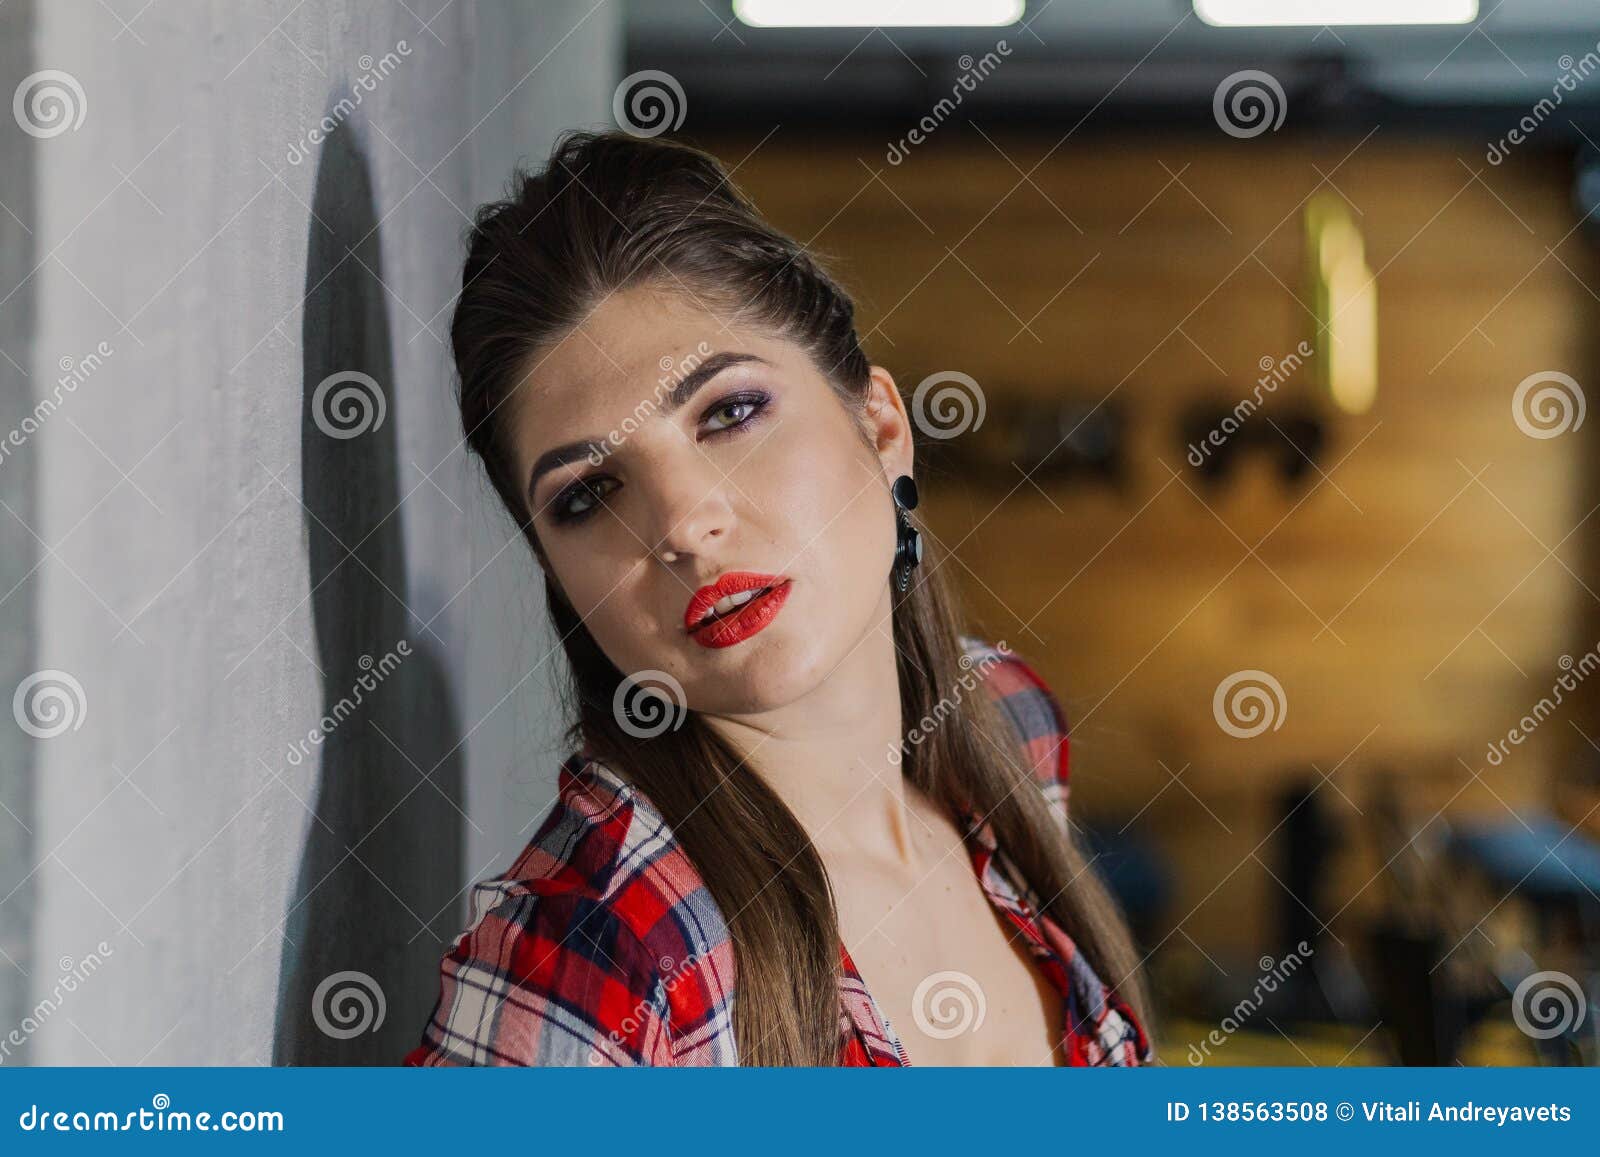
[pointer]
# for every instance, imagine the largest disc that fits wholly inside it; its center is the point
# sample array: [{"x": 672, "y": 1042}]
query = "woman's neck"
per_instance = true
[{"x": 833, "y": 756}]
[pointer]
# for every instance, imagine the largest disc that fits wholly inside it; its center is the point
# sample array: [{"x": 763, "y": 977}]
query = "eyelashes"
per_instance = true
[
  {"x": 578, "y": 500},
  {"x": 562, "y": 508}
]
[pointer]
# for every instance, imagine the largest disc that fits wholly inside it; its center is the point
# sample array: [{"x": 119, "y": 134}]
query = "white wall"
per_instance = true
[{"x": 194, "y": 582}]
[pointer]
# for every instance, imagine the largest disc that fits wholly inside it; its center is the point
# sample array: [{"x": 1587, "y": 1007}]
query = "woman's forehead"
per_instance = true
[
  {"x": 630, "y": 349},
  {"x": 650, "y": 323}
]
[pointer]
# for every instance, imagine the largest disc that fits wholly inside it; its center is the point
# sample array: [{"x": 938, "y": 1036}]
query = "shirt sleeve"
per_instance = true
[{"x": 547, "y": 979}]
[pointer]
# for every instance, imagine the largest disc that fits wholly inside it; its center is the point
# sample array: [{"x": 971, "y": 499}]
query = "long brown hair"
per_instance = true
[{"x": 609, "y": 212}]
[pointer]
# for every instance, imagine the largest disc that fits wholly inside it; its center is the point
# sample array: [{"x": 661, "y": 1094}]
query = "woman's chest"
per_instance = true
[{"x": 951, "y": 974}]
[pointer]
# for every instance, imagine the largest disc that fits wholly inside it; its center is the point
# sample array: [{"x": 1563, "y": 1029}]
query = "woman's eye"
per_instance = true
[
  {"x": 580, "y": 498},
  {"x": 732, "y": 412}
]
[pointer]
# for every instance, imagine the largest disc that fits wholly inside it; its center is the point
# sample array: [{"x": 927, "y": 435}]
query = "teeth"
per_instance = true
[
  {"x": 731, "y": 603},
  {"x": 723, "y": 606}
]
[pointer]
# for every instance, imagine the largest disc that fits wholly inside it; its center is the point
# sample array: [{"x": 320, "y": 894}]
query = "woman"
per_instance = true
[{"x": 796, "y": 833}]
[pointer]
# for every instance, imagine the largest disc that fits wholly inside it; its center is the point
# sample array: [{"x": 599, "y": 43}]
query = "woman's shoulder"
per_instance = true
[
  {"x": 601, "y": 838},
  {"x": 600, "y": 944}
]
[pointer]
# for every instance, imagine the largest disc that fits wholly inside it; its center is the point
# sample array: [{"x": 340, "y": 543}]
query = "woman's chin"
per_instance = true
[{"x": 762, "y": 673}]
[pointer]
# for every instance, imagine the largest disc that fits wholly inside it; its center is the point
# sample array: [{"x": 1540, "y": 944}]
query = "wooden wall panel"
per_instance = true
[{"x": 1411, "y": 612}]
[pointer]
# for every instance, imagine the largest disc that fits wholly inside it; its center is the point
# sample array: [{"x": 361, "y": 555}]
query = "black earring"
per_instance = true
[{"x": 908, "y": 547}]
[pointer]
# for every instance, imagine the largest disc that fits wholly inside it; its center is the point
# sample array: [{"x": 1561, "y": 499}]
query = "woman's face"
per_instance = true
[{"x": 761, "y": 468}]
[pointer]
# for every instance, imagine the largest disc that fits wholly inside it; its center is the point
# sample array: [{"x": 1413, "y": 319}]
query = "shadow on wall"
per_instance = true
[
  {"x": 376, "y": 901},
  {"x": 20, "y": 588}
]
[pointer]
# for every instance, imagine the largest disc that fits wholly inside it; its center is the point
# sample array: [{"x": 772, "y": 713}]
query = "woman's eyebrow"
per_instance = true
[{"x": 680, "y": 395}]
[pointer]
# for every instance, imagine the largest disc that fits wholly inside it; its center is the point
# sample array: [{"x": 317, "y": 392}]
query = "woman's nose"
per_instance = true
[{"x": 689, "y": 508}]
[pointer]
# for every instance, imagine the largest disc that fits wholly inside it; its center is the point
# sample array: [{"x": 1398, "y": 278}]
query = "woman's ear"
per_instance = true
[{"x": 888, "y": 425}]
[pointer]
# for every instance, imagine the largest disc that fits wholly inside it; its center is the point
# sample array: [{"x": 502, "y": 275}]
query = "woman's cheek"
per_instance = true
[
  {"x": 813, "y": 491},
  {"x": 584, "y": 573}
]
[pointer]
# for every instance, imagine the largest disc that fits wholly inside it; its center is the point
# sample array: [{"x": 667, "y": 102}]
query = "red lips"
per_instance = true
[{"x": 743, "y": 621}]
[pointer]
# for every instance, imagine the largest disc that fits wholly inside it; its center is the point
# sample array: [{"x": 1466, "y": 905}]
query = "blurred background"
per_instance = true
[{"x": 1249, "y": 349}]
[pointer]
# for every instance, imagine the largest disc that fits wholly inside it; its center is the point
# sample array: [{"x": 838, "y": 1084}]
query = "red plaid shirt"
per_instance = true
[{"x": 602, "y": 946}]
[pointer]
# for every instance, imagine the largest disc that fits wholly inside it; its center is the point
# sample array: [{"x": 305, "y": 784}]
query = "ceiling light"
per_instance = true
[
  {"x": 1249, "y": 13},
  {"x": 877, "y": 13}
]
